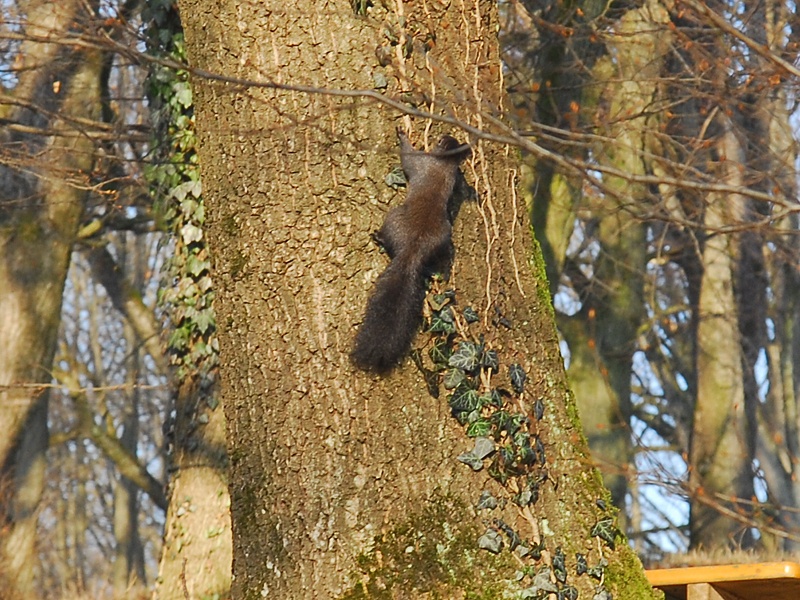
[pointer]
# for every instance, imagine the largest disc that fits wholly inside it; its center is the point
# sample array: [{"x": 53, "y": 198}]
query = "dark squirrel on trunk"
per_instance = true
[{"x": 417, "y": 238}]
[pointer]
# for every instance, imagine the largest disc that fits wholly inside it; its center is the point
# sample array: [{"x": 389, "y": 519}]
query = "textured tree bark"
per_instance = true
[
  {"x": 342, "y": 482},
  {"x": 196, "y": 557},
  {"x": 617, "y": 296}
]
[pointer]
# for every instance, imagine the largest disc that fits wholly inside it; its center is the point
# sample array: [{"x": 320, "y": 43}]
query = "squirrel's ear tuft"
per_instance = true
[{"x": 452, "y": 148}]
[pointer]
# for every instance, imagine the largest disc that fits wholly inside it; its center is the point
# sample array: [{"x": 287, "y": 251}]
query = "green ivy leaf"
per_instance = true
[
  {"x": 539, "y": 448},
  {"x": 464, "y": 399},
  {"x": 497, "y": 471},
  {"x": 440, "y": 353},
  {"x": 182, "y": 191},
  {"x": 507, "y": 455},
  {"x": 440, "y": 323},
  {"x": 536, "y": 551},
  {"x": 453, "y": 378},
  {"x": 523, "y": 550},
  {"x": 466, "y": 357},
  {"x": 582, "y": 566},
  {"x": 470, "y": 315},
  {"x": 491, "y": 541},
  {"x": 470, "y": 417},
  {"x": 598, "y": 570},
  {"x": 513, "y": 537},
  {"x": 439, "y": 301},
  {"x": 204, "y": 284},
  {"x": 607, "y": 531},
  {"x": 191, "y": 233},
  {"x": 522, "y": 441},
  {"x": 560, "y": 565},
  {"x": 195, "y": 266},
  {"x": 490, "y": 360},
  {"x": 495, "y": 398},
  {"x": 538, "y": 409},
  {"x": 183, "y": 94},
  {"x": 447, "y": 314},
  {"x": 602, "y": 594},
  {"x": 179, "y": 338},
  {"x": 468, "y": 458},
  {"x": 505, "y": 421},
  {"x": 533, "y": 488},
  {"x": 483, "y": 447},
  {"x": 486, "y": 501},
  {"x": 518, "y": 377},
  {"x": 204, "y": 320},
  {"x": 396, "y": 178},
  {"x": 524, "y": 498},
  {"x": 568, "y": 593},
  {"x": 542, "y": 584}
]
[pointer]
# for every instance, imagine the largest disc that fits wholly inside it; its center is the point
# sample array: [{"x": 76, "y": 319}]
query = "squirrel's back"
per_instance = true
[{"x": 417, "y": 236}]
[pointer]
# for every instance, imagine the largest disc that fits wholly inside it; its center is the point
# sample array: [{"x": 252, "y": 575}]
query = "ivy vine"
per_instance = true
[
  {"x": 504, "y": 426},
  {"x": 187, "y": 291}
]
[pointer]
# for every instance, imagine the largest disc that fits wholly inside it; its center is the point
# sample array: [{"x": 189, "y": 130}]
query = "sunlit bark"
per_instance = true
[{"x": 327, "y": 462}]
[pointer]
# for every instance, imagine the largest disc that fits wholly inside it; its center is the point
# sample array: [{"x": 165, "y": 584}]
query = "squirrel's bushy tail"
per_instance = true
[{"x": 393, "y": 313}]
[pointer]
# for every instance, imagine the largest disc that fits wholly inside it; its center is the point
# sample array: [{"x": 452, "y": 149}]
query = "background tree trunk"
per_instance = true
[
  {"x": 721, "y": 453},
  {"x": 41, "y": 209}
]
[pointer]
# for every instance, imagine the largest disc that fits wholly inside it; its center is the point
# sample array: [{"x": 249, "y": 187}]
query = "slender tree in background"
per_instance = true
[
  {"x": 40, "y": 219},
  {"x": 84, "y": 513}
]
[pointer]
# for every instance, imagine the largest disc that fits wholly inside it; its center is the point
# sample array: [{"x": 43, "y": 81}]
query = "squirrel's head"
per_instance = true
[{"x": 450, "y": 148}]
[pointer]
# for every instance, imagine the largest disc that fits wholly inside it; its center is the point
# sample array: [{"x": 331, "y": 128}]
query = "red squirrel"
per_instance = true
[{"x": 417, "y": 238}]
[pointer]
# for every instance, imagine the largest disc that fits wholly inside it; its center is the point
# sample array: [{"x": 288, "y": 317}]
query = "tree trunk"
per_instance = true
[
  {"x": 721, "y": 455},
  {"x": 40, "y": 212},
  {"x": 128, "y": 570},
  {"x": 778, "y": 439},
  {"x": 345, "y": 484},
  {"x": 196, "y": 557}
]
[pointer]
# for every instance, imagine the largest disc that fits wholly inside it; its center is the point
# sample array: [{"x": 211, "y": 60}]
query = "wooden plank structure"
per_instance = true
[{"x": 756, "y": 581}]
